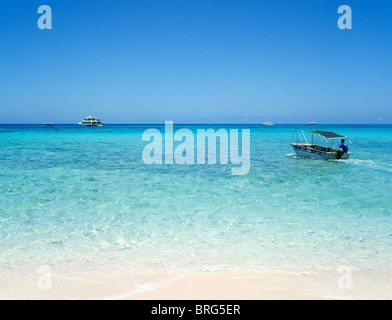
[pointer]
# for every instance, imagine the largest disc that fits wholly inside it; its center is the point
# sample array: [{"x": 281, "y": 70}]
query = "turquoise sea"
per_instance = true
[{"x": 82, "y": 197}]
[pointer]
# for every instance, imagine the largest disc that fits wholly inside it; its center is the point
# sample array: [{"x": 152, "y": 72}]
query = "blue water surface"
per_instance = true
[{"x": 80, "y": 197}]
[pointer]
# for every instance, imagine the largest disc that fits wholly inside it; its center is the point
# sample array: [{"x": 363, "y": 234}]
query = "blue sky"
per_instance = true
[{"x": 196, "y": 61}]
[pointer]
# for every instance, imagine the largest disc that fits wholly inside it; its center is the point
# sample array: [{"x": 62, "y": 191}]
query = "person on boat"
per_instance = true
[
  {"x": 344, "y": 150},
  {"x": 342, "y": 146}
]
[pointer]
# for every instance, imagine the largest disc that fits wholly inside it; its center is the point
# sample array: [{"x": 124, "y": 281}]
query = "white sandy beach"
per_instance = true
[{"x": 220, "y": 285}]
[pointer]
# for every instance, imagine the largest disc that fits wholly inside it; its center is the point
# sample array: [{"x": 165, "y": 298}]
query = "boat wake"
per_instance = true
[
  {"x": 370, "y": 163},
  {"x": 293, "y": 155},
  {"x": 356, "y": 162}
]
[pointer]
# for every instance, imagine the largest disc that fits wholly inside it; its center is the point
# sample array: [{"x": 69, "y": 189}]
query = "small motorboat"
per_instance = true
[
  {"x": 48, "y": 125},
  {"x": 311, "y": 123},
  {"x": 268, "y": 123},
  {"x": 319, "y": 146}
]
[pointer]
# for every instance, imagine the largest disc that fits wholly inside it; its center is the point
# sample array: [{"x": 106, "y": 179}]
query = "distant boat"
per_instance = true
[
  {"x": 91, "y": 122},
  {"x": 48, "y": 125},
  {"x": 311, "y": 123},
  {"x": 268, "y": 123}
]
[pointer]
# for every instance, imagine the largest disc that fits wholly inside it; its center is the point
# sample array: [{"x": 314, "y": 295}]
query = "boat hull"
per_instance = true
[
  {"x": 90, "y": 124},
  {"x": 307, "y": 152}
]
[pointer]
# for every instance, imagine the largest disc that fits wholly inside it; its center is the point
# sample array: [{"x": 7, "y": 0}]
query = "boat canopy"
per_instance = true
[{"x": 327, "y": 134}]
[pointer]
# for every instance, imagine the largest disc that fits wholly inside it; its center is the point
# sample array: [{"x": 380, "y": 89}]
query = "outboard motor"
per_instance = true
[{"x": 339, "y": 154}]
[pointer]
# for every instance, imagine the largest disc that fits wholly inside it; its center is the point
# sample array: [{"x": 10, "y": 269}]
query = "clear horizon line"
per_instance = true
[{"x": 196, "y": 123}]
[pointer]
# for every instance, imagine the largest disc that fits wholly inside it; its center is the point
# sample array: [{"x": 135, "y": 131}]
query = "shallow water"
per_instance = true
[{"x": 82, "y": 197}]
